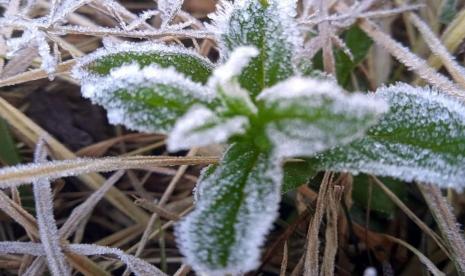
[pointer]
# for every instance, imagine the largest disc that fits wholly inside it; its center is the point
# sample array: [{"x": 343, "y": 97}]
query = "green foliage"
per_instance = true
[
  {"x": 257, "y": 102},
  {"x": 377, "y": 200},
  {"x": 270, "y": 30},
  {"x": 297, "y": 173},
  {"x": 8, "y": 152},
  {"x": 304, "y": 116},
  {"x": 359, "y": 44},
  {"x": 422, "y": 138},
  {"x": 448, "y": 11},
  {"x": 221, "y": 233},
  {"x": 189, "y": 64}
]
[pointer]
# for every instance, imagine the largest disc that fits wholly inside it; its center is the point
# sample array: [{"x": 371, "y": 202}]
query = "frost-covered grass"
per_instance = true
[{"x": 311, "y": 144}]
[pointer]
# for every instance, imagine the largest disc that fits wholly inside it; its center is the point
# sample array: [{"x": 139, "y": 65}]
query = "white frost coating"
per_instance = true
[
  {"x": 48, "y": 230},
  {"x": 201, "y": 127},
  {"x": 428, "y": 95},
  {"x": 253, "y": 221},
  {"x": 221, "y": 18},
  {"x": 110, "y": 47},
  {"x": 403, "y": 162},
  {"x": 223, "y": 79},
  {"x": 315, "y": 115},
  {"x": 421, "y": 139},
  {"x": 136, "y": 265},
  {"x": 169, "y": 9},
  {"x": 34, "y": 37},
  {"x": 280, "y": 11},
  {"x": 300, "y": 87},
  {"x": 370, "y": 271},
  {"x": 132, "y": 78},
  {"x": 237, "y": 61}
]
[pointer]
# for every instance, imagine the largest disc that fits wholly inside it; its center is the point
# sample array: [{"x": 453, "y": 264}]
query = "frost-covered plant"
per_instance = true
[{"x": 258, "y": 102}]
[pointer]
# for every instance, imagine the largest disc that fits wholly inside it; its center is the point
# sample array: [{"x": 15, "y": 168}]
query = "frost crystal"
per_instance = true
[
  {"x": 201, "y": 127},
  {"x": 46, "y": 222},
  {"x": 115, "y": 54},
  {"x": 224, "y": 80},
  {"x": 270, "y": 28},
  {"x": 138, "y": 266},
  {"x": 148, "y": 99},
  {"x": 34, "y": 37},
  {"x": 422, "y": 138},
  {"x": 238, "y": 59},
  {"x": 169, "y": 9},
  {"x": 222, "y": 236},
  {"x": 308, "y": 116}
]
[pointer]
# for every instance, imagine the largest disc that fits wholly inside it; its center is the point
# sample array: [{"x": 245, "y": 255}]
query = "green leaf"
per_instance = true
[
  {"x": 270, "y": 28},
  {"x": 114, "y": 55},
  {"x": 235, "y": 99},
  {"x": 296, "y": 174},
  {"x": 421, "y": 138},
  {"x": 237, "y": 202},
  {"x": 8, "y": 152},
  {"x": 304, "y": 116},
  {"x": 358, "y": 42},
  {"x": 380, "y": 202},
  {"x": 201, "y": 127},
  {"x": 448, "y": 11},
  {"x": 148, "y": 99}
]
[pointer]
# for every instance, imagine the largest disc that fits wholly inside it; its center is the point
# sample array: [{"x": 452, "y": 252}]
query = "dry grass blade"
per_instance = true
[
  {"x": 79, "y": 213},
  {"x": 28, "y": 222},
  {"x": 284, "y": 261},
  {"x": 36, "y": 74},
  {"x": 166, "y": 195},
  {"x": 411, "y": 215},
  {"x": 138, "y": 266},
  {"x": 156, "y": 209},
  {"x": 412, "y": 61},
  {"x": 48, "y": 230},
  {"x": 457, "y": 72},
  {"x": 327, "y": 45},
  {"x": 76, "y": 217},
  {"x": 409, "y": 59},
  {"x": 452, "y": 38},
  {"x": 311, "y": 265},
  {"x": 331, "y": 236},
  {"x": 447, "y": 223},
  {"x": 423, "y": 259},
  {"x": 36, "y": 268},
  {"x": 17, "y": 213},
  {"x": 183, "y": 270},
  {"x": 13, "y": 176},
  {"x": 30, "y": 133}
]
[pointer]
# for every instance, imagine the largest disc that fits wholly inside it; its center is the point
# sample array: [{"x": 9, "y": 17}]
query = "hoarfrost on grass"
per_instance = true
[
  {"x": 136, "y": 265},
  {"x": 221, "y": 236},
  {"x": 422, "y": 138},
  {"x": 307, "y": 116},
  {"x": 148, "y": 99},
  {"x": 48, "y": 230},
  {"x": 201, "y": 127},
  {"x": 169, "y": 9},
  {"x": 34, "y": 37}
]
